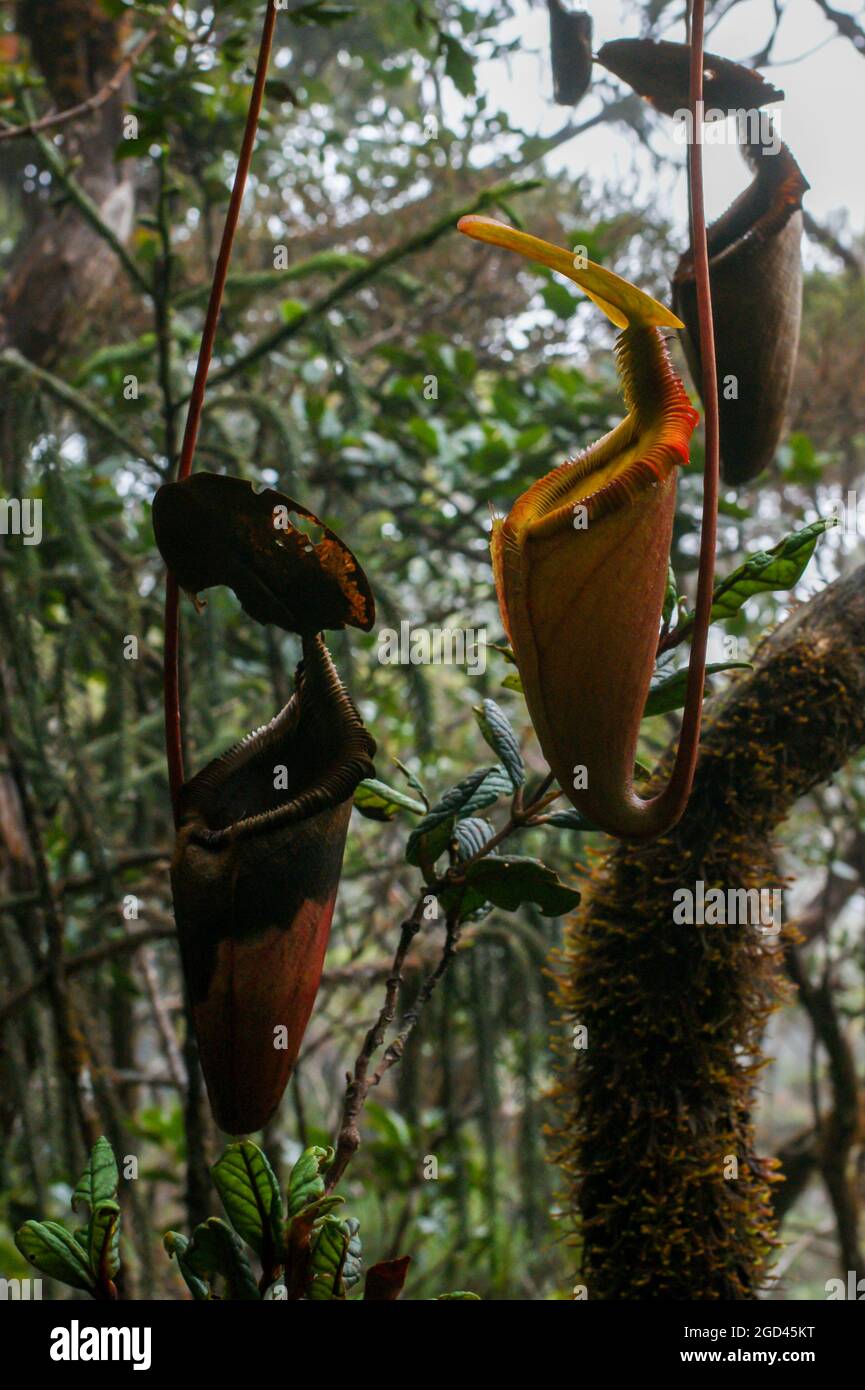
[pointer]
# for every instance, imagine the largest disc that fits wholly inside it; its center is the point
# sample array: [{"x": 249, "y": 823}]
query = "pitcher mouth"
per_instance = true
[
  {"x": 639, "y": 453},
  {"x": 644, "y": 449},
  {"x": 319, "y": 738}
]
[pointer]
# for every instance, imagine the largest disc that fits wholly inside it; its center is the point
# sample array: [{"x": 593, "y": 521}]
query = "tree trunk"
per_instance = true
[{"x": 61, "y": 267}]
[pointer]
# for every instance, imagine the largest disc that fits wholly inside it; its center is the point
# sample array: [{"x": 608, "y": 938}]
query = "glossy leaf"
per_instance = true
[
  {"x": 571, "y": 819},
  {"x": 779, "y": 568},
  {"x": 306, "y": 1183},
  {"x": 668, "y": 688},
  {"x": 352, "y": 1269},
  {"x": 177, "y": 1247},
  {"x": 471, "y": 835},
  {"x": 508, "y": 883},
  {"x": 329, "y": 1252},
  {"x": 215, "y": 1252},
  {"x": 250, "y": 1194},
  {"x": 377, "y": 801},
  {"x": 496, "y": 729},
  {"x": 100, "y": 1180},
  {"x": 103, "y": 1234},
  {"x": 431, "y": 836},
  {"x": 55, "y": 1252}
]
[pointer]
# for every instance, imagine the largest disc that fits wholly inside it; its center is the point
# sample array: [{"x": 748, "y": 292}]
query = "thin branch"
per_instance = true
[
  {"x": 845, "y": 24},
  {"x": 67, "y": 395},
  {"x": 86, "y": 960},
  {"x": 357, "y": 279},
  {"x": 360, "y": 1083},
  {"x": 93, "y": 103}
]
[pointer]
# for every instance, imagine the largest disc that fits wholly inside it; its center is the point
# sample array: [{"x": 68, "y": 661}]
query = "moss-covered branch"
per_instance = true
[{"x": 656, "y": 1135}]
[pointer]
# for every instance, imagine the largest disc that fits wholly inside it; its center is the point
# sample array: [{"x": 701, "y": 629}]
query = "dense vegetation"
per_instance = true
[{"x": 397, "y": 383}]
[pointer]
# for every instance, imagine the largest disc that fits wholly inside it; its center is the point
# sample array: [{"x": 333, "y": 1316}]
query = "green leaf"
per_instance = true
[
  {"x": 667, "y": 691},
  {"x": 103, "y": 1234},
  {"x": 277, "y": 89},
  {"x": 496, "y": 729},
  {"x": 330, "y": 1244},
  {"x": 559, "y": 299},
  {"x": 508, "y": 883},
  {"x": 306, "y": 1184},
  {"x": 414, "y": 782},
  {"x": 462, "y": 1294},
  {"x": 100, "y": 1180},
  {"x": 495, "y": 784},
  {"x": 377, "y": 801},
  {"x": 320, "y": 12},
  {"x": 248, "y": 1189},
  {"x": 352, "y": 1269},
  {"x": 458, "y": 65},
  {"x": 215, "y": 1251},
  {"x": 177, "y": 1246},
  {"x": 671, "y": 595},
  {"x": 431, "y": 836},
  {"x": 471, "y": 835},
  {"x": 55, "y": 1252},
  {"x": 779, "y": 568},
  {"x": 804, "y": 465},
  {"x": 425, "y": 434},
  {"x": 513, "y": 682}
]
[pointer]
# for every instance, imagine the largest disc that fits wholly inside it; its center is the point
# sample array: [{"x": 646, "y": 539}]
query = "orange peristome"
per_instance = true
[{"x": 580, "y": 563}]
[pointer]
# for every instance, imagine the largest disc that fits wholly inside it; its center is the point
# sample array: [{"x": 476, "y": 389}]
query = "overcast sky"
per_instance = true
[{"x": 822, "y": 118}]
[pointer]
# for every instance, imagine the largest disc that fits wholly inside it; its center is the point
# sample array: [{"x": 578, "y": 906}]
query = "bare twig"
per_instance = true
[
  {"x": 86, "y": 960},
  {"x": 93, "y": 103},
  {"x": 360, "y": 1082}
]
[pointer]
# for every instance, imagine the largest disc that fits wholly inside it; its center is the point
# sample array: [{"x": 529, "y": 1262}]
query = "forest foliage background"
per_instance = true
[{"x": 397, "y": 383}]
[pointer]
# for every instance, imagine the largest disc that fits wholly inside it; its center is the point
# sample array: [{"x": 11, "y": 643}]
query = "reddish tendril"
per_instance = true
[
  {"x": 682, "y": 776},
  {"x": 171, "y": 685}
]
